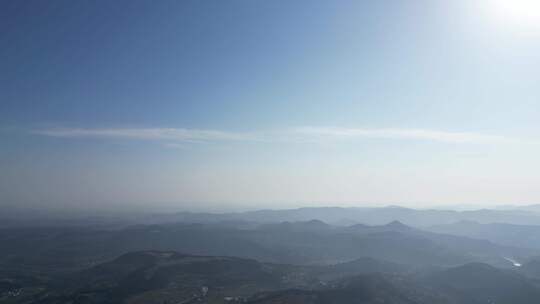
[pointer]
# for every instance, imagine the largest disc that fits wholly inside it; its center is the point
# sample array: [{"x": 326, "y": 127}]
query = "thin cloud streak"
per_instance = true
[
  {"x": 295, "y": 135},
  {"x": 402, "y": 134},
  {"x": 169, "y": 134}
]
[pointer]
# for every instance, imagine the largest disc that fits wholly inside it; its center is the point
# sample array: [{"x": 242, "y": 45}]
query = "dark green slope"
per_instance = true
[{"x": 477, "y": 283}]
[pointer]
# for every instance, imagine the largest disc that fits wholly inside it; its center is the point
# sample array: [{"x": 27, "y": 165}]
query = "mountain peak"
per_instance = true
[
  {"x": 397, "y": 225},
  {"x": 316, "y": 222}
]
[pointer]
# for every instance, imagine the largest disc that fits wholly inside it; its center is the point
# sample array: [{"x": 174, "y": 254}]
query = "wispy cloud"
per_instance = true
[
  {"x": 299, "y": 135},
  {"x": 168, "y": 134},
  {"x": 401, "y": 134}
]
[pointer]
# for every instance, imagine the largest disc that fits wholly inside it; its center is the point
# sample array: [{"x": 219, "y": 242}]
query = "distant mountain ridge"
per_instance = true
[
  {"x": 300, "y": 256},
  {"x": 304, "y": 243},
  {"x": 526, "y": 236},
  {"x": 341, "y": 216},
  {"x": 363, "y": 215}
]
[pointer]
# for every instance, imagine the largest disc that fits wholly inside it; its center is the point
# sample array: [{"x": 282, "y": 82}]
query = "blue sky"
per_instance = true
[{"x": 251, "y": 104}]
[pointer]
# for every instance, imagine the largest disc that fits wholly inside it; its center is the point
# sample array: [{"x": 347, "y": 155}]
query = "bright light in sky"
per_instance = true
[{"x": 524, "y": 13}]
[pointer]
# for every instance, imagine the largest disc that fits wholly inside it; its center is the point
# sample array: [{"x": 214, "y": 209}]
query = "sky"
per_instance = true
[{"x": 221, "y": 105}]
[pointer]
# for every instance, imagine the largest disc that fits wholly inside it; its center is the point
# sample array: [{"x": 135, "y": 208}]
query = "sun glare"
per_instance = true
[{"x": 525, "y": 13}]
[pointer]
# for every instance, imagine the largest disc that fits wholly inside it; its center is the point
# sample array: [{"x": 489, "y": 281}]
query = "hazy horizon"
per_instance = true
[{"x": 55, "y": 211}]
